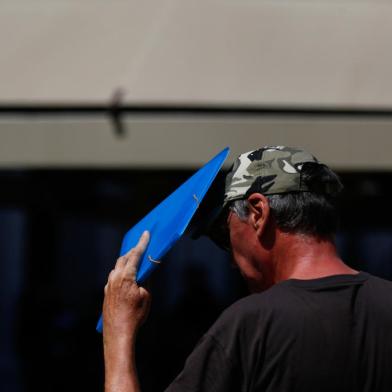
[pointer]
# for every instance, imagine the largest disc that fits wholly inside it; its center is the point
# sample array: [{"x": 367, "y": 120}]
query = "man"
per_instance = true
[{"x": 313, "y": 324}]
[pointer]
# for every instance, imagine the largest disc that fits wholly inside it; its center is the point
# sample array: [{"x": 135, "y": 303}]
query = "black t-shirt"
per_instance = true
[{"x": 327, "y": 334}]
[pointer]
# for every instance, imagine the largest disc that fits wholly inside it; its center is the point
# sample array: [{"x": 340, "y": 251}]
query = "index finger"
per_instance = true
[
  {"x": 134, "y": 255},
  {"x": 142, "y": 244}
]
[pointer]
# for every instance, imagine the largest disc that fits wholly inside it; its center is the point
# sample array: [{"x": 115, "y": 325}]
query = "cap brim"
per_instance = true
[{"x": 208, "y": 217}]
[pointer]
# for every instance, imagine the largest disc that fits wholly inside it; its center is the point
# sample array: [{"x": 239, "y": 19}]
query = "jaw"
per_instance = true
[
  {"x": 255, "y": 273},
  {"x": 249, "y": 255}
]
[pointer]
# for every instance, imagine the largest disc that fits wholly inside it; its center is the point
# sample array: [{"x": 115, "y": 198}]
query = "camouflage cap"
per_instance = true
[{"x": 268, "y": 170}]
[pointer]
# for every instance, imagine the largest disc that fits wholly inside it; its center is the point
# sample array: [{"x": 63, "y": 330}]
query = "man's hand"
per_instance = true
[{"x": 125, "y": 307}]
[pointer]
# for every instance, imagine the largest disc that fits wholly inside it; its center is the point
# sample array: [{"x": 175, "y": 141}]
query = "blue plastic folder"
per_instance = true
[{"x": 168, "y": 221}]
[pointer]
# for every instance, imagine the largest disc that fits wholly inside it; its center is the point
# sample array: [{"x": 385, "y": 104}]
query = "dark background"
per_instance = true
[{"x": 60, "y": 233}]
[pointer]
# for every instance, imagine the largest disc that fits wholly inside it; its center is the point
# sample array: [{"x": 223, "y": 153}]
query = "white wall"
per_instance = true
[
  {"x": 188, "y": 142},
  {"x": 285, "y": 52},
  {"x": 310, "y": 52}
]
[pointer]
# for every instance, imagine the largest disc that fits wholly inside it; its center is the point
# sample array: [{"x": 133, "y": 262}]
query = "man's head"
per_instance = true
[{"x": 276, "y": 190}]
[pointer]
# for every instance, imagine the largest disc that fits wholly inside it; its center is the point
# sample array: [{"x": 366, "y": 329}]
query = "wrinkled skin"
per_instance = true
[{"x": 125, "y": 308}]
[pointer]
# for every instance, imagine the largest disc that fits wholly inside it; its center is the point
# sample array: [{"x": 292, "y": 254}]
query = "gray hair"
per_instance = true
[
  {"x": 240, "y": 208},
  {"x": 301, "y": 212}
]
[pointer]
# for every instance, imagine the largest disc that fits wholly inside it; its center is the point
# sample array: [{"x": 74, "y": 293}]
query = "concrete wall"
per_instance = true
[
  {"x": 309, "y": 52},
  {"x": 347, "y": 144},
  {"x": 228, "y": 52}
]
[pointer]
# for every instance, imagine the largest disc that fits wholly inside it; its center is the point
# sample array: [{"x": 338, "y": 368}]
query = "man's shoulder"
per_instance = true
[
  {"x": 377, "y": 282},
  {"x": 378, "y": 294},
  {"x": 286, "y": 300},
  {"x": 256, "y": 308},
  {"x": 261, "y": 301},
  {"x": 274, "y": 297}
]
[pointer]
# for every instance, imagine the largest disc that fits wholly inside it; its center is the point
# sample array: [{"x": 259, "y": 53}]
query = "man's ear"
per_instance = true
[{"x": 259, "y": 212}]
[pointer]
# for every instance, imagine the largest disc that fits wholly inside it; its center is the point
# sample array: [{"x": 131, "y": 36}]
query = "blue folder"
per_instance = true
[{"x": 168, "y": 221}]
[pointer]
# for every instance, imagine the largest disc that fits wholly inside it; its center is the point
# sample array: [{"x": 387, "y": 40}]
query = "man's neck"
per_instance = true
[{"x": 300, "y": 256}]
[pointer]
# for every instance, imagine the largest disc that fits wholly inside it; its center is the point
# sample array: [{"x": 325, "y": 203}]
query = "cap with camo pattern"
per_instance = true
[{"x": 268, "y": 170}]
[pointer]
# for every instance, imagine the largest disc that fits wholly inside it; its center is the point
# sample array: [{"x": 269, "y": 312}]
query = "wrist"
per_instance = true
[{"x": 119, "y": 349}]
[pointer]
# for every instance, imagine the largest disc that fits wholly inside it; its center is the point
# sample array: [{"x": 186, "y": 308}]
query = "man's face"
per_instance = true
[{"x": 245, "y": 247}]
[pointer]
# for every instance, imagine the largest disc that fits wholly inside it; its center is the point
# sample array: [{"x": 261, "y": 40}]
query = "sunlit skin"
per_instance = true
[
  {"x": 125, "y": 308},
  {"x": 264, "y": 254}
]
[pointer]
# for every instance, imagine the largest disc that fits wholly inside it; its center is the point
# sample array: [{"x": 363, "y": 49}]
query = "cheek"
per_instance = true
[
  {"x": 237, "y": 230},
  {"x": 245, "y": 251},
  {"x": 242, "y": 241}
]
